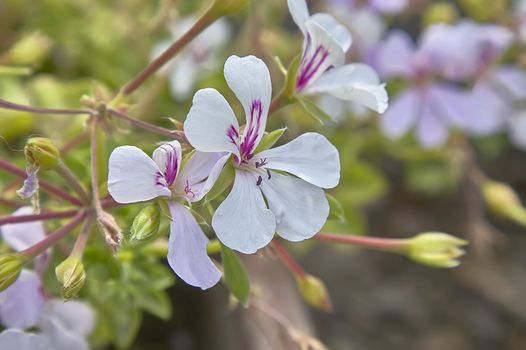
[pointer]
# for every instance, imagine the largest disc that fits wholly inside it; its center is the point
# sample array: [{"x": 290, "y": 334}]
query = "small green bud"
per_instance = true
[
  {"x": 10, "y": 267},
  {"x": 440, "y": 12},
  {"x": 29, "y": 50},
  {"x": 146, "y": 224},
  {"x": 436, "y": 249},
  {"x": 42, "y": 153},
  {"x": 227, "y": 7},
  {"x": 502, "y": 200},
  {"x": 313, "y": 291},
  {"x": 70, "y": 273}
]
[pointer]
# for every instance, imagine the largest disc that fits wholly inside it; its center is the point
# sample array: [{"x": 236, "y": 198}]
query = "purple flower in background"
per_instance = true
[
  {"x": 296, "y": 207},
  {"x": 23, "y": 305},
  {"x": 429, "y": 106},
  {"x": 322, "y": 69},
  {"x": 135, "y": 177}
]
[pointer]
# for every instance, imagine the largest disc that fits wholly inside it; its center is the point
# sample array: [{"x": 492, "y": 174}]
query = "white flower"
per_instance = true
[
  {"x": 322, "y": 69},
  {"x": 135, "y": 177},
  {"x": 296, "y": 206},
  {"x": 198, "y": 57}
]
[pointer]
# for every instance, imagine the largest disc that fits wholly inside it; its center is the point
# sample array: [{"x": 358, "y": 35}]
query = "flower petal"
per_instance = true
[
  {"x": 66, "y": 325},
  {"x": 243, "y": 222},
  {"x": 23, "y": 235},
  {"x": 300, "y": 208},
  {"x": 21, "y": 303},
  {"x": 402, "y": 114},
  {"x": 353, "y": 82},
  {"x": 200, "y": 174},
  {"x": 182, "y": 78},
  {"x": 430, "y": 131},
  {"x": 300, "y": 13},
  {"x": 249, "y": 78},
  {"x": 394, "y": 56},
  {"x": 512, "y": 79},
  {"x": 211, "y": 125},
  {"x": 168, "y": 159},
  {"x": 338, "y": 31},
  {"x": 134, "y": 177},
  {"x": 16, "y": 339},
  {"x": 310, "y": 157},
  {"x": 321, "y": 52},
  {"x": 187, "y": 250}
]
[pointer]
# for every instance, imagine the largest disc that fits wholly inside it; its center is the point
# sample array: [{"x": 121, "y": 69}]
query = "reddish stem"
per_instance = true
[
  {"x": 175, "y": 134},
  {"x": 54, "y": 237},
  {"x": 363, "y": 241},
  {"x": 14, "y": 219},
  {"x": 74, "y": 142},
  {"x": 201, "y": 24},
  {"x": 42, "y": 110},
  {"x": 288, "y": 259},
  {"x": 7, "y": 166},
  {"x": 82, "y": 239}
]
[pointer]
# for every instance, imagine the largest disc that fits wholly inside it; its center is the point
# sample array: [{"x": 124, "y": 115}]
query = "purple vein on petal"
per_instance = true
[
  {"x": 309, "y": 66},
  {"x": 252, "y": 133}
]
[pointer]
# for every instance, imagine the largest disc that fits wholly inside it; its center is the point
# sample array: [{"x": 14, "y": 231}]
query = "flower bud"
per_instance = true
[
  {"x": 70, "y": 273},
  {"x": 227, "y": 7},
  {"x": 314, "y": 292},
  {"x": 10, "y": 267},
  {"x": 42, "y": 153},
  {"x": 440, "y": 12},
  {"x": 146, "y": 224},
  {"x": 502, "y": 200},
  {"x": 436, "y": 249},
  {"x": 29, "y": 50}
]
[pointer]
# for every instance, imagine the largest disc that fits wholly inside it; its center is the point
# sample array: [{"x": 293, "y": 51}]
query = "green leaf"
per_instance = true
[
  {"x": 336, "y": 209},
  {"x": 268, "y": 140},
  {"x": 236, "y": 276},
  {"x": 290, "y": 78},
  {"x": 153, "y": 301},
  {"x": 222, "y": 183},
  {"x": 314, "y": 111}
]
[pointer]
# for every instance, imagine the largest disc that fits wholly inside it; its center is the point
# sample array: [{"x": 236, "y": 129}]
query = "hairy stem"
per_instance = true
[
  {"x": 54, "y": 237},
  {"x": 277, "y": 102},
  {"x": 386, "y": 244},
  {"x": 14, "y": 219},
  {"x": 72, "y": 180},
  {"x": 201, "y": 24},
  {"x": 288, "y": 259},
  {"x": 175, "y": 134},
  {"x": 7, "y": 166},
  {"x": 42, "y": 110},
  {"x": 80, "y": 243}
]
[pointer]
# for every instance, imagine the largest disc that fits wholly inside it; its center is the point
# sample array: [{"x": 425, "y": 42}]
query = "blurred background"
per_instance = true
[{"x": 54, "y": 51}]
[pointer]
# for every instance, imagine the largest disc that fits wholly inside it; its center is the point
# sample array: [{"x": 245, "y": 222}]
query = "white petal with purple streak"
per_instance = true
[
  {"x": 134, "y": 177},
  {"x": 338, "y": 31},
  {"x": 300, "y": 13},
  {"x": 168, "y": 158},
  {"x": 187, "y": 250},
  {"x": 211, "y": 125}
]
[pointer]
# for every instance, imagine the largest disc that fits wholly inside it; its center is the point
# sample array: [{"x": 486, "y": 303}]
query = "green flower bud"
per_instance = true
[
  {"x": 42, "y": 153},
  {"x": 440, "y": 12},
  {"x": 436, "y": 249},
  {"x": 10, "y": 267},
  {"x": 314, "y": 292},
  {"x": 29, "y": 50},
  {"x": 227, "y": 7},
  {"x": 146, "y": 224},
  {"x": 70, "y": 273},
  {"x": 503, "y": 201}
]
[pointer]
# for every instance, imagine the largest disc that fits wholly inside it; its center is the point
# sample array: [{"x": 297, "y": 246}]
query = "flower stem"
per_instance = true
[
  {"x": 277, "y": 102},
  {"x": 288, "y": 259},
  {"x": 385, "y": 244},
  {"x": 54, "y": 237},
  {"x": 80, "y": 243},
  {"x": 201, "y": 24},
  {"x": 7, "y": 166},
  {"x": 72, "y": 180},
  {"x": 14, "y": 219},
  {"x": 175, "y": 134},
  {"x": 94, "y": 173},
  {"x": 42, "y": 110},
  {"x": 74, "y": 142}
]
